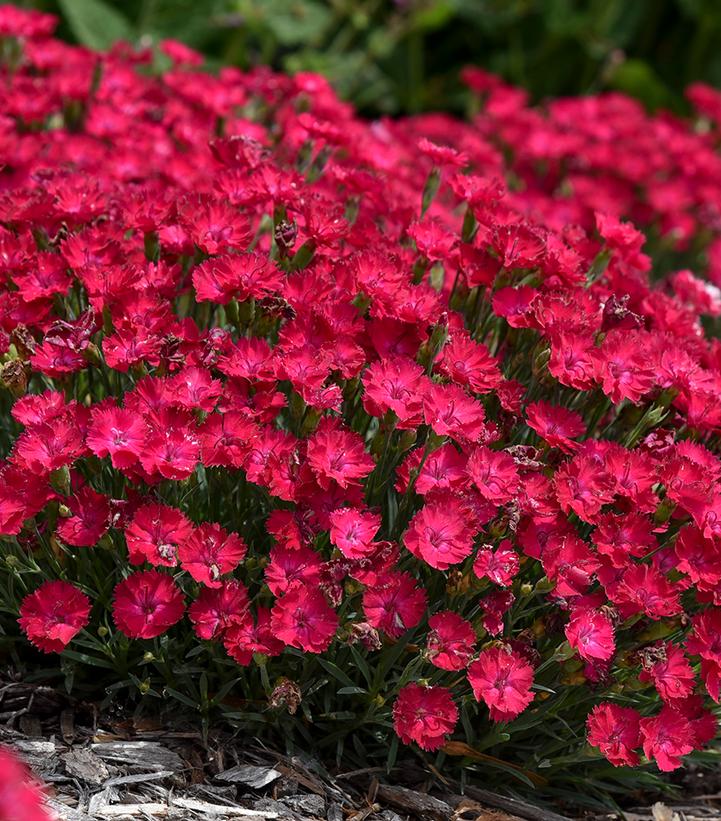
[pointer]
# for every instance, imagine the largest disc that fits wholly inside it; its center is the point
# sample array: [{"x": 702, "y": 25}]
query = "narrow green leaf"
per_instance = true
[{"x": 95, "y": 23}]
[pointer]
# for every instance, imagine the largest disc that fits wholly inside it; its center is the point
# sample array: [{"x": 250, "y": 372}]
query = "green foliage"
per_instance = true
[{"x": 405, "y": 55}]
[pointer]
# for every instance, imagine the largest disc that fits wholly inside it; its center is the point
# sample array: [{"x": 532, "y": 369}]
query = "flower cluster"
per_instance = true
[{"x": 299, "y": 382}]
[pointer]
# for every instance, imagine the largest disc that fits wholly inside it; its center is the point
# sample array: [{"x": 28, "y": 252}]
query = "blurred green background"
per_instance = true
[{"x": 400, "y": 56}]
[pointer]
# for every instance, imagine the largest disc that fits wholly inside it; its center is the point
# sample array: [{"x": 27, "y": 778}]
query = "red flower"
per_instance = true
[
  {"x": 302, "y": 618},
  {"x": 616, "y": 732},
  {"x": 146, "y": 604},
  {"x": 591, "y": 634},
  {"x": 337, "y": 454},
  {"x": 117, "y": 433},
  {"x": 667, "y": 737},
  {"x": 449, "y": 411},
  {"x": 217, "y": 609},
  {"x": 22, "y": 495},
  {"x": 583, "y": 485},
  {"x": 500, "y": 565},
  {"x": 668, "y": 668},
  {"x": 426, "y": 715},
  {"x": 397, "y": 604},
  {"x": 245, "y": 639},
  {"x": 469, "y": 363},
  {"x": 494, "y": 473},
  {"x": 440, "y": 534},
  {"x": 289, "y": 565},
  {"x": 451, "y": 641},
  {"x": 398, "y": 385},
  {"x": 352, "y": 531},
  {"x": 154, "y": 535},
  {"x": 555, "y": 425},
  {"x": 171, "y": 445},
  {"x": 48, "y": 446},
  {"x": 210, "y": 552},
  {"x": 53, "y": 615},
  {"x": 502, "y": 679},
  {"x": 88, "y": 520}
]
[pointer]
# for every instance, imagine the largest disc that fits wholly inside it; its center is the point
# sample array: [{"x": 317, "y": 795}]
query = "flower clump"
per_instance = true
[{"x": 419, "y": 398}]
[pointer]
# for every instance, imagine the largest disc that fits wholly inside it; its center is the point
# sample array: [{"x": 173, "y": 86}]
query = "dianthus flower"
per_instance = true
[
  {"x": 424, "y": 715},
  {"x": 556, "y": 425},
  {"x": 396, "y": 604},
  {"x": 668, "y": 668},
  {"x": 289, "y": 565},
  {"x": 303, "y": 618},
  {"x": 502, "y": 679},
  {"x": 117, "y": 433},
  {"x": 397, "y": 384},
  {"x": 449, "y": 411},
  {"x": 337, "y": 454},
  {"x": 495, "y": 605},
  {"x": 667, "y": 737},
  {"x": 591, "y": 633},
  {"x": 22, "y": 495},
  {"x": 155, "y": 533},
  {"x": 248, "y": 637},
  {"x": 500, "y": 565},
  {"x": 146, "y": 604},
  {"x": 353, "y": 531},
  {"x": 88, "y": 518},
  {"x": 217, "y": 609},
  {"x": 469, "y": 363},
  {"x": 440, "y": 534},
  {"x": 583, "y": 485},
  {"x": 210, "y": 552},
  {"x": 494, "y": 473},
  {"x": 53, "y": 615},
  {"x": 615, "y": 730},
  {"x": 171, "y": 445},
  {"x": 451, "y": 641},
  {"x": 48, "y": 446}
]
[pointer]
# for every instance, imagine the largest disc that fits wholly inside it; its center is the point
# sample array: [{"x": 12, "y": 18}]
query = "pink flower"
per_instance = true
[
  {"x": 591, "y": 633},
  {"x": 154, "y": 535},
  {"x": 147, "y": 604},
  {"x": 494, "y": 473},
  {"x": 440, "y": 534},
  {"x": 117, "y": 433},
  {"x": 352, "y": 531},
  {"x": 53, "y": 615},
  {"x": 451, "y": 641},
  {"x": 217, "y": 609},
  {"x": 396, "y": 604},
  {"x": 302, "y": 618},
  {"x": 248, "y": 637},
  {"x": 89, "y": 518},
  {"x": 289, "y": 565},
  {"x": 666, "y": 738},
  {"x": 337, "y": 454},
  {"x": 556, "y": 425},
  {"x": 615, "y": 730},
  {"x": 668, "y": 668},
  {"x": 500, "y": 565},
  {"x": 502, "y": 679},
  {"x": 21, "y": 797},
  {"x": 426, "y": 715},
  {"x": 210, "y": 552}
]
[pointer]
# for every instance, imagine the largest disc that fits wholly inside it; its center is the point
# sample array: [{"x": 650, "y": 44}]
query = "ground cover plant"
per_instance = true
[{"x": 362, "y": 434}]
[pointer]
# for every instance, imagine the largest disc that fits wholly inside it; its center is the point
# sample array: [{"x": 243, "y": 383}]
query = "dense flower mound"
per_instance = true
[{"x": 389, "y": 424}]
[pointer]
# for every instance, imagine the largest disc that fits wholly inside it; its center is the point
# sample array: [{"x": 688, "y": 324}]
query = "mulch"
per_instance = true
[{"x": 98, "y": 768}]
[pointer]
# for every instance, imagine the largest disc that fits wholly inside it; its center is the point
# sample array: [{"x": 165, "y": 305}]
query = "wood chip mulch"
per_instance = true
[{"x": 136, "y": 770}]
